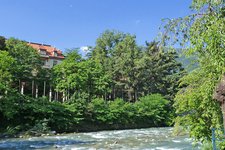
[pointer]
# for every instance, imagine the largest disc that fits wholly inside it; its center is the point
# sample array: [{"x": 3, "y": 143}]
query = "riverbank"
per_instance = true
[
  {"x": 22, "y": 114},
  {"x": 87, "y": 128}
]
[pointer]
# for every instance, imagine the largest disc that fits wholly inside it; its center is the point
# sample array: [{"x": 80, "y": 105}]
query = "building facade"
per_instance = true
[{"x": 50, "y": 55}]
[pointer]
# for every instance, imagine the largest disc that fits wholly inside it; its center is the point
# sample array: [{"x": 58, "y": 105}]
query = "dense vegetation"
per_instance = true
[
  {"x": 202, "y": 36},
  {"x": 118, "y": 68},
  {"x": 117, "y": 85},
  {"x": 37, "y": 116}
]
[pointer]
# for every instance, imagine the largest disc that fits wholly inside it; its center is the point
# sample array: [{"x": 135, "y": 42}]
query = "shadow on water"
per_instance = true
[{"x": 39, "y": 144}]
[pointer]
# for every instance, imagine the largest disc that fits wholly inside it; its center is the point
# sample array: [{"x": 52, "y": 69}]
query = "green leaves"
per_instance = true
[
  {"x": 151, "y": 110},
  {"x": 160, "y": 71},
  {"x": 205, "y": 43},
  {"x": 6, "y": 64},
  {"x": 155, "y": 107},
  {"x": 76, "y": 75},
  {"x": 2, "y": 43},
  {"x": 26, "y": 58}
]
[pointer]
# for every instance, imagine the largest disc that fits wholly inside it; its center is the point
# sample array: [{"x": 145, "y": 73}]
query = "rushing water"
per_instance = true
[{"x": 136, "y": 139}]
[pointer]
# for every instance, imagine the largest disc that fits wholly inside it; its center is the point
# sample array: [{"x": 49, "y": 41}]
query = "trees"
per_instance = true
[
  {"x": 119, "y": 68},
  {"x": 76, "y": 76},
  {"x": 104, "y": 53},
  {"x": 202, "y": 34},
  {"x": 153, "y": 107},
  {"x": 160, "y": 70},
  {"x": 6, "y": 75},
  {"x": 26, "y": 59},
  {"x": 2, "y": 43},
  {"x": 67, "y": 75},
  {"x": 125, "y": 58},
  {"x": 136, "y": 71},
  {"x": 104, "y": 88}
]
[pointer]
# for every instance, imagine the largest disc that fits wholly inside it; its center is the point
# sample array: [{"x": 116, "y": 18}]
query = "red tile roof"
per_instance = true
[{"x": 49, "y": 50}]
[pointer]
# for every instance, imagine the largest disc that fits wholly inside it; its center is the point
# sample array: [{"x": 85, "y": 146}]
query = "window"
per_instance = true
[
  {"x": 55, "y": 53},
  {"x": 42, "y": 52},
  {"x": 55, "y": 62}
]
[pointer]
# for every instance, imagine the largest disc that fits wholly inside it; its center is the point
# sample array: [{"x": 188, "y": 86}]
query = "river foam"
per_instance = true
[{"x": 136, "y": 139}]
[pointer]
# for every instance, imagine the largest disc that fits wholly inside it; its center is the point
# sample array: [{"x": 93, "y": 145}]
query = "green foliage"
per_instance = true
[
  {"x": 99, "y": 110},
  {"x": 36, "y": 116},
  {"x": 153, "y": 107},
  {"x": 2, "y": 43},
  {"x": 26, "y": 58},
  {"x": 12, "y": 130},
  {"x": 197, "y": 108},
  {"x": 66, "y": 74},
  {"x": 30, "y": 114},
  {"x": 221, "y": 145},
  {"x": 207, "y": 146},
  {"x": 116, "y": 113},
  {"x": 160, "y": 71},
  {"x": 126, "y": 71},
  {"x": 76, "y": 76},
  {"x": 151, "y": 110},
  {"x": 104, "y": 91},
  {"x": 202, "y": 36},
  {"x": 7, "y": 63},
  {"x": 40, "y": 127},
  {"x": 118, "y": 68}
]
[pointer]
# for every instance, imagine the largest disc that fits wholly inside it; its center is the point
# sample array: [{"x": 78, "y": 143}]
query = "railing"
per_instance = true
[{"x": 216, "y": 138}]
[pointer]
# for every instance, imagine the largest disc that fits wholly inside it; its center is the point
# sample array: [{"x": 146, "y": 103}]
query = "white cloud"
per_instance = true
[{"x": 84, "y": 49}]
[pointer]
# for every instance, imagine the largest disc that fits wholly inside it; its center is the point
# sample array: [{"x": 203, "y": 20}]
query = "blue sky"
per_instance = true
[{"x": 76, "y": 23}]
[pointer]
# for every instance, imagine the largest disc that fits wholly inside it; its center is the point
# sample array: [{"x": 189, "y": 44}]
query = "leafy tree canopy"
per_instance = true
[
  {"x": 26, "y": 58},
  {"x": 6, "y": 75},
  {"x": 202, "y": 37}
]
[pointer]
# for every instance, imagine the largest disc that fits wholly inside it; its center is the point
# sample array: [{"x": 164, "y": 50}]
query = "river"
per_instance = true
[{"x": 136, "y": 139}]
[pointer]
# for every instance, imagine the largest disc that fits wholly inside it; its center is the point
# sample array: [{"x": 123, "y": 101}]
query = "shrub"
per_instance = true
[
  {"x": 152, "y": 109},
  {"x": 98, "y": 109}
]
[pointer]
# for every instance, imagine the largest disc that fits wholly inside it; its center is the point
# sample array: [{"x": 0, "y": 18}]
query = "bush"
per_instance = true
[
  {"x": 98, "y": 110},
  {"x": 116, "y": 112},
  {"x": 29, "y": 113},
  {"x": 152, "y": 109},
  {"x": 221, "y": 145},
  {"x": 20, "y": 113}
]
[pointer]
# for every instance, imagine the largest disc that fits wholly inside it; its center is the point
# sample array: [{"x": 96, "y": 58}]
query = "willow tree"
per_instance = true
[{"x": 202, "y": 35}]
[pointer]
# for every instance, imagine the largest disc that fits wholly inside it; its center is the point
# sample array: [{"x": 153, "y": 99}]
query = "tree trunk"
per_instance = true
[
  {"x": 113, "y": 93},
  {"x": 135, "y": 95},
  {"x": 64, "y": 97},
  {"x": 32, "y": 88},
  {"x": 223, "y": 112},
  {"x": 129, "y": 95},
  {"x": 57, "y": 95},
  {"x": 219, "y": 95},
  {"x": 55, "y": 98},
  {"x": 22, "y": 89},
  {"x": 44, "y": 88},
  {"x": 36, "y": 93},
  {"x": 50, "y": 94}
]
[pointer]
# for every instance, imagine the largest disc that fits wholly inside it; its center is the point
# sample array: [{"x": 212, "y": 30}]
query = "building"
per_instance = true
[{"x": 50, "y": 55}]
